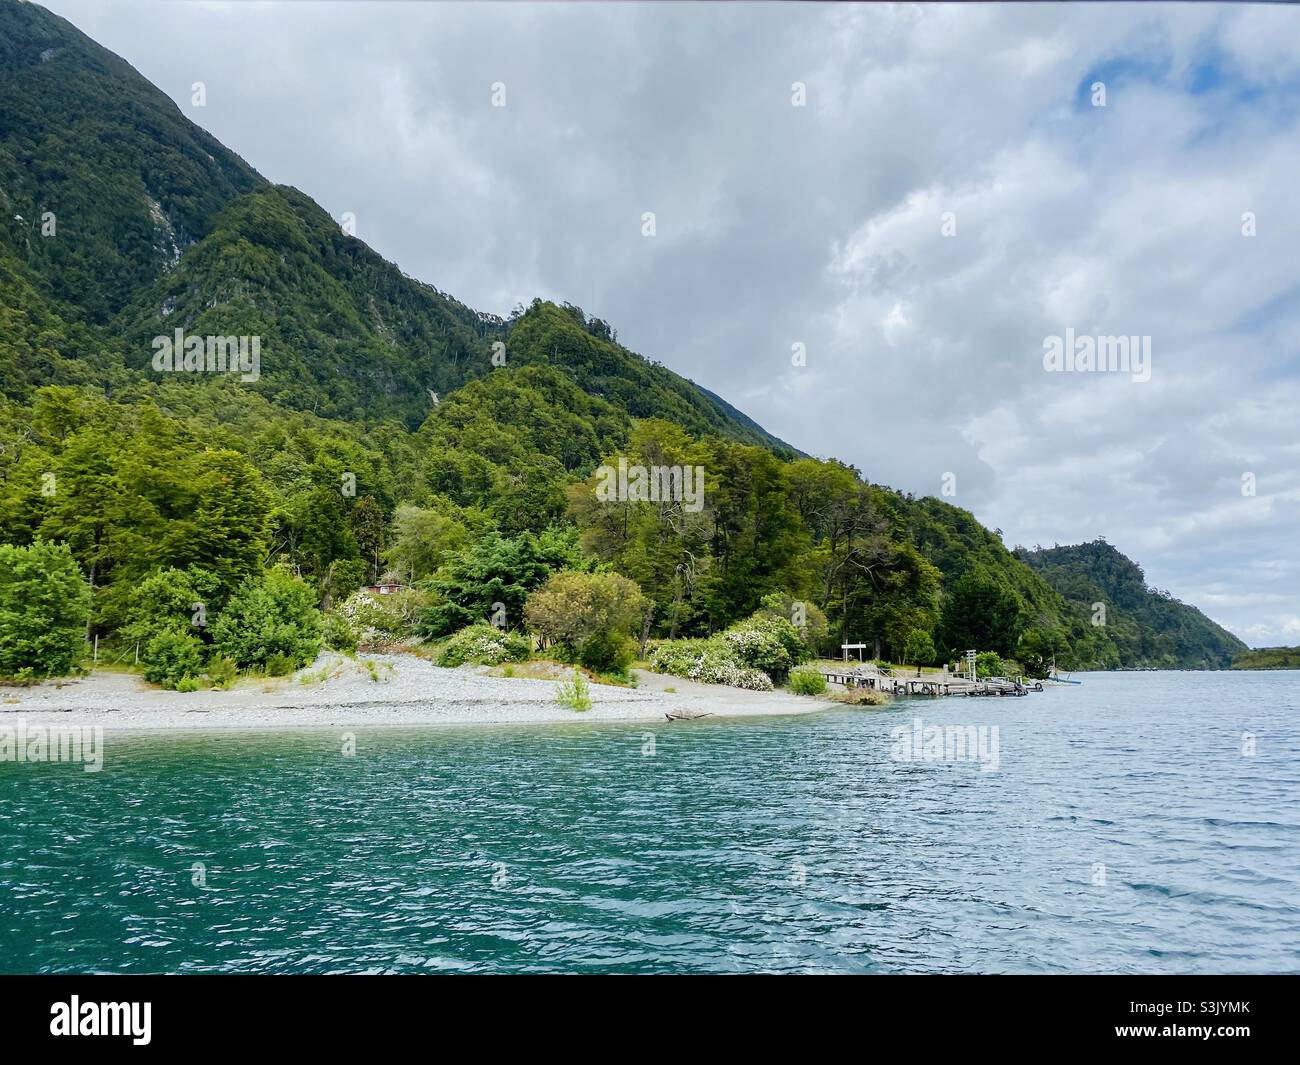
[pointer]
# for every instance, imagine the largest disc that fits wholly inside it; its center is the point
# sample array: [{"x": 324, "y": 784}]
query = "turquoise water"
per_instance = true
[{"x": 783, "y": 844}]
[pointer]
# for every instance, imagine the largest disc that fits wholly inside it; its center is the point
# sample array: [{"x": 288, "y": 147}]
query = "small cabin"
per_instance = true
[{"x": 385, "y": 589}]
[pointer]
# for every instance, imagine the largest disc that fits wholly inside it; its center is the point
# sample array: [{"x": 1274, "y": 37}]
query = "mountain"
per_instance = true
[
  {"x": 390, "y": 427},
  {"x": 130, "y": 181},
  {"x": 159, "y": 227},
  {"x": 1144, "y": 627}
]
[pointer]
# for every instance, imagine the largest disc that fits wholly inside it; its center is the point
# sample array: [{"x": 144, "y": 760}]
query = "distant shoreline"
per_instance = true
[
  {"x": 339, "y": 693},
  {"x": 411, "y": 692}
]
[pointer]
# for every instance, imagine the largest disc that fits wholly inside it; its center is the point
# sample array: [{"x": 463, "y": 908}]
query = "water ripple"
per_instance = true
[{"x": 1124, "y": 831}]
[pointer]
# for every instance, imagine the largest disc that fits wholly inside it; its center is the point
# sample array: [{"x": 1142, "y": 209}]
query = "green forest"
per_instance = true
[
  {"x": 1268, "y": 658},
  {"x": 1142, "y": 627},
  {"x": 199, "y": 524}
]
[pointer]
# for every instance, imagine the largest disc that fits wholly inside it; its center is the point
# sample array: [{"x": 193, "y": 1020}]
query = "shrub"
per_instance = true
[
  {"x": 44, "y": 605},
  {"x": 813, "y": 632},
  {"x": 279, "y": 665},
  {"x": 807, "y": 682},
  {"x": 172, "y": 656},
  {"x": 575, "y": 693},
  {"x": 270, "y": 617},
  {"x": 590, "y": 617},
  {"x": 757, "y": 649},
  {"x": 221, "y": 672},
  {"x": 608, "y": 652},
  {"x": 861, "y": 697},
  {"x": 752, "y": 679},
  {"x": 989, "y": 664},
  {"x": 378, "y": 620},
  {"x": 338, "y": 634},
  {"x": 484, "y": 644},
  {"x": 767, "y": 642},
  {"x": 707, "y": 661}
]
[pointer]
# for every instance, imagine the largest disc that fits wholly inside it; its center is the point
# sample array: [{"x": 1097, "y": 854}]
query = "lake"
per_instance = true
[{"x": 1138, "y": 823}]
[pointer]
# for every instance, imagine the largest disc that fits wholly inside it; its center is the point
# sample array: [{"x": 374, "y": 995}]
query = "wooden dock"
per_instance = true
[{"x": 931, "y": 686}]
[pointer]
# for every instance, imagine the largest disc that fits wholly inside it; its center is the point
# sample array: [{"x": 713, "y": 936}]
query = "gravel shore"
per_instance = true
[{"x": 340, "y": 692}]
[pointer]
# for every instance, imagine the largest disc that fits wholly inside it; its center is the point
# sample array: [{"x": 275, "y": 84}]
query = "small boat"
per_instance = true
[{"x": 1056, "y": 678}]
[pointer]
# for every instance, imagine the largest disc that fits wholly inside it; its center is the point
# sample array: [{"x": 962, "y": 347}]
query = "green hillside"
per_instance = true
[
  {"x": 1143, "y": 627},
  {"x": 338, "y": 466},
  {"x": 1268, "y": 658},
  {"x": 158, "y": 227},
  {"x": 130, "y": 181}
]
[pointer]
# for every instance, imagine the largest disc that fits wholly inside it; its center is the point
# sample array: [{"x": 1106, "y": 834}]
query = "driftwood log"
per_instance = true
[{"x": 686, "y": 715}]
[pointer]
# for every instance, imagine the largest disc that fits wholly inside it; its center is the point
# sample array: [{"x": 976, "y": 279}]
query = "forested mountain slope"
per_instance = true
[
  {"x": 337, "y": 464},
  {"x": 130, "y": 181},
  {"x": 1144, "y": 626},
  {"x": 125, "y": 214}
]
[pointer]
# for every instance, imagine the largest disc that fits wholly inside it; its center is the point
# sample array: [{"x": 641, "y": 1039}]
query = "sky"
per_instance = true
[{"x": 917, "y": 196}]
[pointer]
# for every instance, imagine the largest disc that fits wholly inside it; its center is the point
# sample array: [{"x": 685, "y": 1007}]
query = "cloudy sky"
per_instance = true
[{"x": 949, "y": 196}]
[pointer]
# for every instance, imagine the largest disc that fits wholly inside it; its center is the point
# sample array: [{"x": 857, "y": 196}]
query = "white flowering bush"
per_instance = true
[
  {"x": 758, "y": 649},
  {"x": 768, "y": 642},
  {"x": 484, "y": 644},
  {"x": 753, "y": 679},
  {"x": 379, "y": 620},
  {"x": 707, "y": 661},
  {"x": 755, "y": 653}
]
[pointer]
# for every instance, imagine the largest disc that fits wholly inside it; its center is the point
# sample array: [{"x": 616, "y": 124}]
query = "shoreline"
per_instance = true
[{"x": 339, "y": 692}]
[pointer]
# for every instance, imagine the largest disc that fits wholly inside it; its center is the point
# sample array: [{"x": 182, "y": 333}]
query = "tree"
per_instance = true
[
  {"x": 423, "y": 538},
  {"x": 664, "y": 544},
  {"x": 85, "y": 502},
  {"x": 496, "y": 570},
  {"x": 44, "y": 605},
  {"x": 591, "y": 617},
  {"x": 850, "y": 544},
  {"x": 989, "y": 664},
  {"x": 170, "y": 600},
  {"x": 342, "y": 577},
  {"x": 368, "y": 526},
  {"x": 1038, "y": 650},
  {"x": 315, "y": 523},
  {"x": 130, "y": 498},
  {"x": 901, "y": 597},
  {"x": 919, "y": 648},
  {"x": 756, "y": 536},
  {"x": 269, "y": 617},
  {"x": 981, "y": 614}
]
